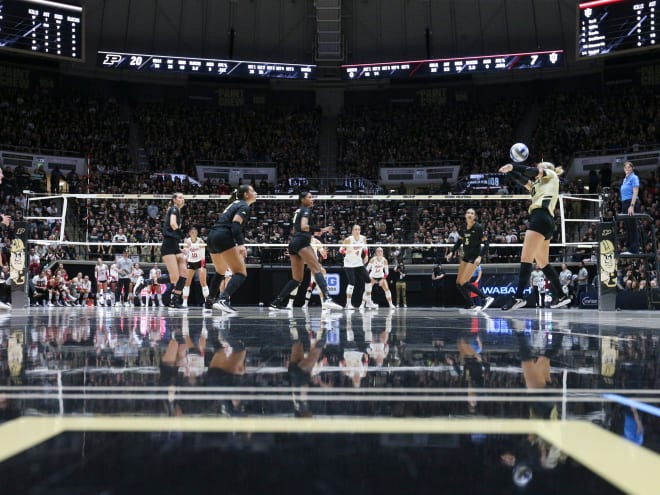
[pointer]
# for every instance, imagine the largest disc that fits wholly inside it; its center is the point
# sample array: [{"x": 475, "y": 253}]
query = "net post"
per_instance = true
[
  {"x": 64, "y": 210},
  {"x": 607, "y": 259}
]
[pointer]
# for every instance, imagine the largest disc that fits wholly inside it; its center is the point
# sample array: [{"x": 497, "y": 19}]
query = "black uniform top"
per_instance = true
[
  {"x": 437, "y": 271},
  {"x": 167, "y": 228},
  {"x": 303, "y": 212},
  {"x": 238, "y": 207},
  {"x": 472, "y": 240}
]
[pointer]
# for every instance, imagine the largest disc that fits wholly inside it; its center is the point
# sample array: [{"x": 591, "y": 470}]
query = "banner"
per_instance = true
[
  {"x": 607, "y": 266},
  {"x": 18, "y": 266}
]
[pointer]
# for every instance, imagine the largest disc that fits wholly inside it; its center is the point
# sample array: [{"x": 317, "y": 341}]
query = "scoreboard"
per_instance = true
[
  {"x": 143, "y": 62},
  {"x": 454, "y": 66},
  {"x": 42, "y": 27},
  {"x": 615, "y": 26}
]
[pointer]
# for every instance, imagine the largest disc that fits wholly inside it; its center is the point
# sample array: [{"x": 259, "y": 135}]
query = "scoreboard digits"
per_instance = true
[
  {"x": 615, "y": 26},
  {"x": 42, "y": 27},
  {"x": 454, "y": 66},
  {"x": 213, "y": 67}
]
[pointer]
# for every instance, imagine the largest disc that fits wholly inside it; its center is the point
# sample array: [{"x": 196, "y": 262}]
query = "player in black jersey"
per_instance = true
[
  {"x": 227, "y": 247},
  {"x": 301, "y": 253},
  {"x": 475, "y": 247},
  {"x": 173, "y": 257}
]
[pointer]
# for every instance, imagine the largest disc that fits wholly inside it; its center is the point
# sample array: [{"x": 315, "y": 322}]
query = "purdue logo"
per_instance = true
[
  {"x": 607, "y": 263},
  {"x": 17, "y": 262},
  {"x": 112, "y": 59}
]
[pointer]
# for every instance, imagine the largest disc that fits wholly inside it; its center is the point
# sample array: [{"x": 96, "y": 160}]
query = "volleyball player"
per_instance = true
[
  {"x": 195, "y": 250},
  {"x": 321, "y": 254},
  {"x": 154, "y": 276},
  {"x": 475, "y": 247},
  {"x": 470, "y": 350},
  {"x": 227, "y": 247},
  {"x": 536, "y": 366},
  {"x": 543, "y": 183},
  {"x": 356, "y": 255},
  {"x": 301, "y": 254},
  {"x": 137, "y": 282},
  {"x": 101, "y": 275},
  {"x": 379, "y": 270},
  {"x": 173, "y": 257},
  {"x": 227, "y": 363},
  {"x": 302, "y": 365}
]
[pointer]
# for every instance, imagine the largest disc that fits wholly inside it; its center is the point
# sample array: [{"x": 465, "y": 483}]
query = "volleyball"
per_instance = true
[{"x": 519, "y": 152}]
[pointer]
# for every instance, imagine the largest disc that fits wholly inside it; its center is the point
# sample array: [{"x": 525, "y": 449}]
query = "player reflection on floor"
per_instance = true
[{"x": 533, "y": 453}]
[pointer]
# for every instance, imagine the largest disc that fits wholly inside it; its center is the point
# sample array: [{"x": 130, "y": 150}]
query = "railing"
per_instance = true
[{"x": 235, "y": 163}]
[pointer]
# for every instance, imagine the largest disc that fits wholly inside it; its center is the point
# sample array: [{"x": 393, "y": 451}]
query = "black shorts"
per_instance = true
[
  {"x": 542, "y": 222},
  {"x": 470, "y": 257},
  {"x": 298, "y": 243},
  {"x": 298, "y": 377},
  {"x": 357, "y": 273},
  {"x": 220, "y": 240},
  {"x": 170, "y": 246},
  {"x": 217, "y": 377},
  {"x": 195, "y": 265},
  {"x": 169, "y": 375},
  {"x": 542, "y": 410},
  {"x": 474, "y": 372}
]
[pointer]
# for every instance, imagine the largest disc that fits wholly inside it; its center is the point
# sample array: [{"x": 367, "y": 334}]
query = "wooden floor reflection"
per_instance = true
[{"x": 412, "y": 371}]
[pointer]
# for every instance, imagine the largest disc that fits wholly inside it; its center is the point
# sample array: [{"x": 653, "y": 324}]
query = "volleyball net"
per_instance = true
[{"x": 420, "y": 227}]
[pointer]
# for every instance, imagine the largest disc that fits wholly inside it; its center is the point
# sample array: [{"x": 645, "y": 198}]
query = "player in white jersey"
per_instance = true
[
  {"x": 101, "y": 274},
  {"x": 154, "y": 274},
  {"x": 195, "y": 250},
  {"x": 137, "y": 279},
  {"x": 356, "y": 254},
  {"x": 378, "y": 342},
  {"x": 379, "y": 271},
  {"x": 355, "y": 364}
]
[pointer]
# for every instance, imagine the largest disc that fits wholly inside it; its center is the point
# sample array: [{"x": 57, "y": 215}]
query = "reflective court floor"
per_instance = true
[{"x": 134, "y": 400}]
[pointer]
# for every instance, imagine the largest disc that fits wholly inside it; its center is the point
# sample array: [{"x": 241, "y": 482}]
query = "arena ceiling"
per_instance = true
[{"x": 369, "y": 30}]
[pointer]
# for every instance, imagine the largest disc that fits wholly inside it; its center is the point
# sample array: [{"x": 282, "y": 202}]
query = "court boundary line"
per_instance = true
[{"x": 622, "y": 463}]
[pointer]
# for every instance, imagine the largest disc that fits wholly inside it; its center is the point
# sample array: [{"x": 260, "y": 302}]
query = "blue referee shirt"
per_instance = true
[{"x": 629, "y": 182}]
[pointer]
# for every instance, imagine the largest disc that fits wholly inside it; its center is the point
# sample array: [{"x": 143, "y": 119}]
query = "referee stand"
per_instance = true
[
  {"x": 609, "y": 297},
  {"x": 639, "y": 219}
]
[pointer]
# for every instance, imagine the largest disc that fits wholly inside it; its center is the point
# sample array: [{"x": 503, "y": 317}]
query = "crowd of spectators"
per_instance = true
[
  {"x": 601, "y": 123},
  {"x": 99, "y": 220},
  {"x": 477, "y": 136},
  {"x": 38, "y": 121},
  {"x": 177, "y": 133}
]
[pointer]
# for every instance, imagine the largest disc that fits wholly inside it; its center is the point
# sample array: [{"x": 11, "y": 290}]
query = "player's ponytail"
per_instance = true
[
  {"x": 239, "y": 193},
  {"x": 549, "y": 166}
]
